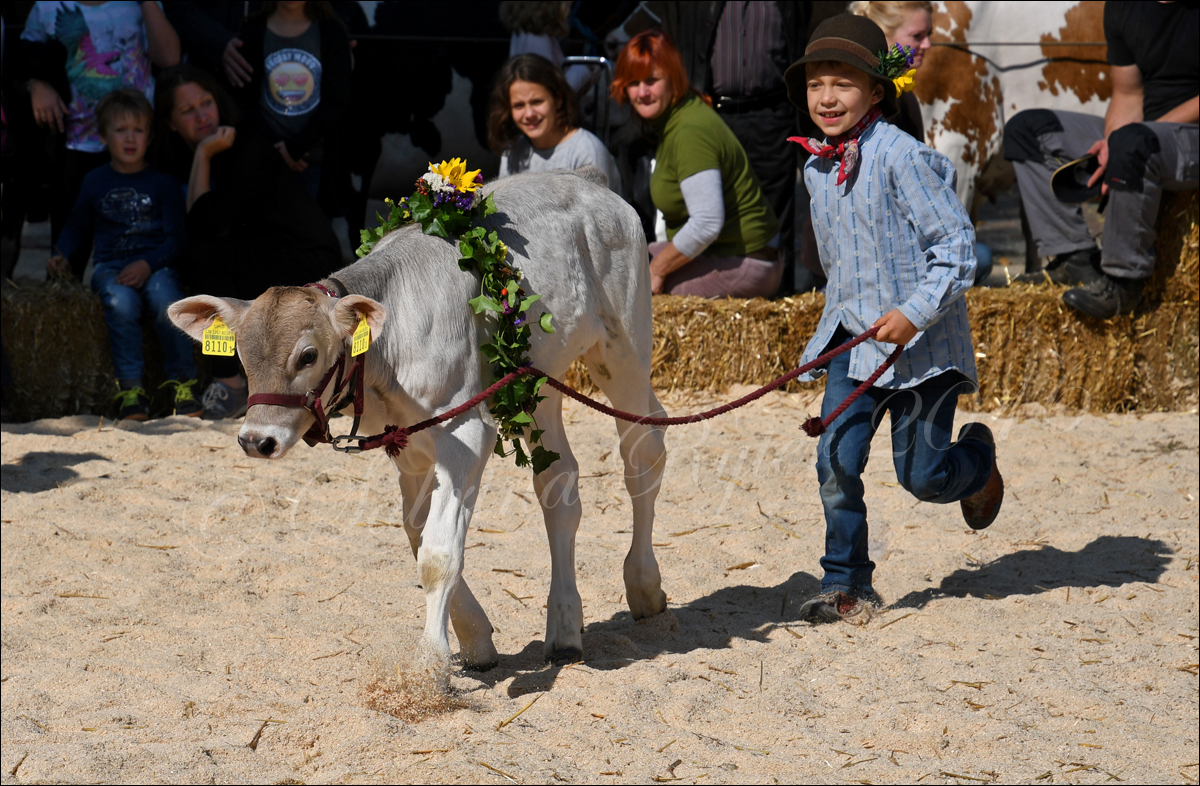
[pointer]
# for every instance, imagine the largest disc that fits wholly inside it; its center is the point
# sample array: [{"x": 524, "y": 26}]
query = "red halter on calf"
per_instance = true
[{"x": 351, "y": 382}]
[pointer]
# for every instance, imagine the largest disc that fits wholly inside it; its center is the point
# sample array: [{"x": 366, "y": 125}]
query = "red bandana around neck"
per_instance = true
[{"x": 844, "y": 148}]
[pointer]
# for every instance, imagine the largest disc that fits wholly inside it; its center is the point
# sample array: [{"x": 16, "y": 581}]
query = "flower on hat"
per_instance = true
[
  {"x": 904, "y": 82},
  {"x": 895, "y": 63}
]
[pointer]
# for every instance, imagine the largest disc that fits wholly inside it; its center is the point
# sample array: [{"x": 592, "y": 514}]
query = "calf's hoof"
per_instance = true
[
  {"x": 565, "y": 656},
  {"x": 481, "y": 667},
  {"x": 647, "y": 604}
]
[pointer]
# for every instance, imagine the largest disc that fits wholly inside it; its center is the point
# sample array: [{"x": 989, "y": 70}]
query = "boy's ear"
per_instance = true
[{"x": 877, "y": 92}]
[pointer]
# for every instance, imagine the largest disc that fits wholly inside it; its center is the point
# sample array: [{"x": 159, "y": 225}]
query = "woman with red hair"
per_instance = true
[{"x": 722, "y": 235}]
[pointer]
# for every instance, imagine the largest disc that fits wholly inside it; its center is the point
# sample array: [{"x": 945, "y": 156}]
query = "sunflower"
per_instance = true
[
  {"x": 455, "y": 174},
  {"x": 904, "y": 82}
]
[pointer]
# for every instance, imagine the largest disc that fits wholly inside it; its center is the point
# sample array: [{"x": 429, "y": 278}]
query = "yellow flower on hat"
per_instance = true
[
  {"x": 904, "y": 82},
  {"x": 455, "y": 173}
]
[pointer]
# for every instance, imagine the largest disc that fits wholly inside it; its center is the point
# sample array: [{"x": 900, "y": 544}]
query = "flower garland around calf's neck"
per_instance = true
[{"x": 447, "y": 204}]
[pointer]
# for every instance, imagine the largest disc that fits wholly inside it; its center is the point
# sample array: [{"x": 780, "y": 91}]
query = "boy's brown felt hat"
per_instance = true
[{"x": 845, "y": 38}]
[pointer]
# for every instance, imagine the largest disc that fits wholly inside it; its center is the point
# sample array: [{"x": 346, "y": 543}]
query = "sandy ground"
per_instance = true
[{"x": 167, "y": 602}]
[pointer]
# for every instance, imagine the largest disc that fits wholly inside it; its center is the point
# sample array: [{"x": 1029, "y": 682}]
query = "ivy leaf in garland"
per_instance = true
[{"x": 447, "y": 203}]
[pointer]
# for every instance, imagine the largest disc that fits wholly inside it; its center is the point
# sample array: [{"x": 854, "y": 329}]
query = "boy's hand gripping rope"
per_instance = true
[{"x": 394, "y": 438}]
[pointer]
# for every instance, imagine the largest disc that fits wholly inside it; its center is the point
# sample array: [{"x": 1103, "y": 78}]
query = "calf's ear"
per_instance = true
[
  {"x": 348, "y": 310},
  {"x": 193, "y": 315}
]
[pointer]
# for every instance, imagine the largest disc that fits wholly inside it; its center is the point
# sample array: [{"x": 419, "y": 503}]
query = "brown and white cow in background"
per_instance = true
[{"x": 967, "y": 96}]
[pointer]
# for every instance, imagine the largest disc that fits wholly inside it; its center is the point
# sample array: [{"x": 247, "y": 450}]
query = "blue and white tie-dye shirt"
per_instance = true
[
  {"x": 107, "y": 49},
  {"x": 894, "y": 236}
]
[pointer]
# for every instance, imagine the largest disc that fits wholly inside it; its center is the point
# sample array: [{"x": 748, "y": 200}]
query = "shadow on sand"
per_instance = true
[
  {"x": 1108, "y": 561},
  {"x": 43, "y": 470},
  {"x": 752, "y": 613}
]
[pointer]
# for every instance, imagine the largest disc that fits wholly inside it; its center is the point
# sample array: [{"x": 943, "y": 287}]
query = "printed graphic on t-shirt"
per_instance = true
[
  {"x": 106, "y": 50},
  {"x": 293, "y": 83},
  {"x": 133, "y": 210}
]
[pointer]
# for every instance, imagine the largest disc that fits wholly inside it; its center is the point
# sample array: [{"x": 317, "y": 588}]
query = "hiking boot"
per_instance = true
[
  {"x": 222, "y": 401},
  {"x": 981, "y": 508},
  {"x": 1077, "y": 267},
  {"x": 182, "y": 400},
  {"x": 132, "y": 404},
  {"x": 1106, "y": 297},
  {"x": 835, "y": 606}
]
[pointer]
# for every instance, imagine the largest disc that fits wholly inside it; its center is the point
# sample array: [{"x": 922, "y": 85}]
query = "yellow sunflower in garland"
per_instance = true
[{"x": 455, "y": 173}]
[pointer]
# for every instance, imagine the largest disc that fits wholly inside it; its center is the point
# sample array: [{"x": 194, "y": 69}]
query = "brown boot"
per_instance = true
[{"x": 980, "y": 509}]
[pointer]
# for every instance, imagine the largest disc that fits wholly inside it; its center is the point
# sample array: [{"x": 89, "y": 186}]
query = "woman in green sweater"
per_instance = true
[{"x": 722, "y": 236}]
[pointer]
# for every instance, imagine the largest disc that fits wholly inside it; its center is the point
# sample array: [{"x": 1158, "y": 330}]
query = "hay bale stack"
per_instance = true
[
  {"x": 1176, "y": 276},
  {"x": 57, "y": 347},
  {"x": 1035, "y": 349}
]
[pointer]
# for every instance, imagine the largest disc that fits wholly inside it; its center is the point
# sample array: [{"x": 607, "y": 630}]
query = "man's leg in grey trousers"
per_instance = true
[
  {"x": 1143, "y": 159},
  {"x": 763, "y": 134},
  {"x": 1039, "y": 141}
]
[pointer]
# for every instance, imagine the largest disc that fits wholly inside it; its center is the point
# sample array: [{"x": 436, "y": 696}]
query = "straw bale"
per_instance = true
[
  {"x": 1176, "y": 276},
  {"x": 57, "y": 348},
  {"x": 1034, "y": 349},
  {"x": 57, "y": 345}
]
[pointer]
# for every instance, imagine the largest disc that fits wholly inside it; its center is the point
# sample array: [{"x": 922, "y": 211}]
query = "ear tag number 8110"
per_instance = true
[
  {"x": 219, "y": 340},
  {"x": 362, "y": 338}
]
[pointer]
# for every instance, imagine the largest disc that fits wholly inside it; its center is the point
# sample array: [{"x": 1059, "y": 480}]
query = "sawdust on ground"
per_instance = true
[{"x": 174, "y": 611}]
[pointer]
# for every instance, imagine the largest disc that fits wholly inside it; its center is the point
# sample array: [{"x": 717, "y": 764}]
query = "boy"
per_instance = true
[
  {"x": 137, "y": 218},
  {"x": 898, "y": 250}
]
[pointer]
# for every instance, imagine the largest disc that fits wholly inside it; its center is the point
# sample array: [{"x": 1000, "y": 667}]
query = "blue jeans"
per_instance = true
[
  {"x": 123, "y": 314},
  {"x": 928, "y": 465}
]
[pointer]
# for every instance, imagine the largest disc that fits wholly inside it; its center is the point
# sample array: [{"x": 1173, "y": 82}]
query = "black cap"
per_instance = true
[{"x": 845, "y": 38}]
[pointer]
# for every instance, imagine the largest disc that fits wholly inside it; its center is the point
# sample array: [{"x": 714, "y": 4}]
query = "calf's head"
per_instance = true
[{"x": 287, "y": 339}]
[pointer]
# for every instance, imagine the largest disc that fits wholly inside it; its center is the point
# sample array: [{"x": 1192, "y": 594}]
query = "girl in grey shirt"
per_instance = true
[{"x": 534, "y": 123}]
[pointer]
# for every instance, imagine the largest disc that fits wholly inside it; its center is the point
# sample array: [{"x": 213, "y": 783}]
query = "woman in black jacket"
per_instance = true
[
  {"x": 299, "y": 91},
  {"x": 249, "y": 228}
]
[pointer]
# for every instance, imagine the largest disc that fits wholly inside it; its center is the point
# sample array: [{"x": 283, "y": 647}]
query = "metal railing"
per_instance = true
[{"x": 599, "y": 89}]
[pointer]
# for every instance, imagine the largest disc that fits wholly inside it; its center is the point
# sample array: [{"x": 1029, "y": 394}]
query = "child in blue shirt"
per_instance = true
[
  {"x": 135, "y": 216},
  {"x": 898, "y": 250}
]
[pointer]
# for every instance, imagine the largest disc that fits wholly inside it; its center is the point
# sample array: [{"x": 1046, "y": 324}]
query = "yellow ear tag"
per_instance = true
[
  {"x": 219, "y": 340},
  {"x": 362, "y": 338}
]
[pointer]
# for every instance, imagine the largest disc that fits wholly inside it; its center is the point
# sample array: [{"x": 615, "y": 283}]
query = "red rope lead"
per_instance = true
[
  {"x": 815, "y": 427},
  {"x": 394, "y": 438}
]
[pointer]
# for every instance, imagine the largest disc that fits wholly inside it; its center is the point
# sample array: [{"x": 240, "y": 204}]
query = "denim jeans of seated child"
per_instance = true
[
  {"x": 928, "y": 464},
  {"x": 123, "y": 312}
]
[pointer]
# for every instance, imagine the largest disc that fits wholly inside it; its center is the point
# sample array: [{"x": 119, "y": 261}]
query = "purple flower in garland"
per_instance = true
[{"x": 519, "y": 321}]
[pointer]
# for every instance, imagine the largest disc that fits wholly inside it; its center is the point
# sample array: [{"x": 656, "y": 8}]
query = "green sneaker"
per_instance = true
[
  {"x": 183, "y": 401},
  {"x": 132, "y": 404}
]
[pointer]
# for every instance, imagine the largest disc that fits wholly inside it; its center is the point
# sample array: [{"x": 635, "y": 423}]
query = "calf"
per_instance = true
[{"x": 582, "y": 249}]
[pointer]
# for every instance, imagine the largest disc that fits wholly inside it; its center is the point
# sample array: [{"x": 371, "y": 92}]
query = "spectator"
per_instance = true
[
  {"x": 722, "y": 235},
  {"x": 299, "y": 89},
  {"x": 534, "y": 123},
  {"x": 135, "y": 214},
  {"x": 108, "y": 46},
  {"x": 737, "y": 52},
  {"x": 536, "y": 27},
  {"x": 1146, "y": 142},
  {"x": 249, "y": 227},
  {"x": 907, "y": 23},
  {"x": 208, "y": 32}
]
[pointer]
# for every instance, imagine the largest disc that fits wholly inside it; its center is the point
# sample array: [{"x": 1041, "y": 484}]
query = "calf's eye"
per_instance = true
[{"x": 308, "y": 357}]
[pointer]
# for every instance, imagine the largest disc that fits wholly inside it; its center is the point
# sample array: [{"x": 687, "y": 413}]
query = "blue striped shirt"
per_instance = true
[{"x": 894, "y": 236}]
